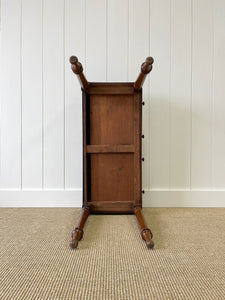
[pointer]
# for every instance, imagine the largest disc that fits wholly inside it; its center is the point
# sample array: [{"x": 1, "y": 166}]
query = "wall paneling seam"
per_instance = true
[
  {"x": 64, "y": 92},
  {"x": 21, "y": 97},
  {"x": 191, "y": 96},
  {"x": 212, "y": 98},
  {"x": 170, "y": 83},
  {"x": 43, "y": 111}
]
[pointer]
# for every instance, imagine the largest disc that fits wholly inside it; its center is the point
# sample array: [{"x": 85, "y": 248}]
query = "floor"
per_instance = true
[{"x": 112, "y": 261}]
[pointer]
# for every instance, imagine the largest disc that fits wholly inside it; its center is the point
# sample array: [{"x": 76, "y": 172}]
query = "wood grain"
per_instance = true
[
  {"x": 116, "y": 113},
  {"x": 112, "y": 177},
  {"x": 112, "y": 136},
  {"x": 109, "y": 148}
]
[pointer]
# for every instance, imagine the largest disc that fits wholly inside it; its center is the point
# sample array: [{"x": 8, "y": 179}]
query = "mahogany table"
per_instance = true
[{"x": 112, "y": 148}]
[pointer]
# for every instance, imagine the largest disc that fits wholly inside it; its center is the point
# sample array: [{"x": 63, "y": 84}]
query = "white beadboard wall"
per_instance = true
[{"x": 184, "y": 115}]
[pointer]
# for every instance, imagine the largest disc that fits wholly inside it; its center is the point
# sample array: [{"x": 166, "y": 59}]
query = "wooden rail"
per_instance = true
[{"x": 109, "y": 148}]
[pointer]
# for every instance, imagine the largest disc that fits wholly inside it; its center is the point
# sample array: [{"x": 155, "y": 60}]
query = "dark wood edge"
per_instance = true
[
  {"x": 111, "y": 84},
  {"x": 110, "y": 89},
  {"x": 138, "y": 147},
  {"x": 85, "y": 184},
  {"x": 111, "y": 207}
]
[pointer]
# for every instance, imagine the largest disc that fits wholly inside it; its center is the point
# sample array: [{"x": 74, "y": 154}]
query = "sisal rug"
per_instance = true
[{"x": 112, "y": 261}]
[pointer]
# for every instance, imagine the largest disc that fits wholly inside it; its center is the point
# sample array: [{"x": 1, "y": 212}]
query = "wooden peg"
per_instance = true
[
  {"x": 146, "y": 67},
  {"x": 77, "y": 69}
]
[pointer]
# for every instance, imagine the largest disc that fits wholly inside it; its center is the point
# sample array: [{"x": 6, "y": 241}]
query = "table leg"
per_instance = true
[
  {"x": 145, "y": 231},
  {"x": 78, "y": 232}
]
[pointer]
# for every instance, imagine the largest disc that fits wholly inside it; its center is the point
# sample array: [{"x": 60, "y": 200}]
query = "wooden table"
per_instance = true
[{"x": 112, "y": 152}]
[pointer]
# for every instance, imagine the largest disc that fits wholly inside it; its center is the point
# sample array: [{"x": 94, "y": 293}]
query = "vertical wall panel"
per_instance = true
[
  {"x": 117, "y": 46},
  {"x": 219, "y": 96},
  {"x": 160, "y": 49},
  {"x": 202, "y": 70},
  {"x": 74, "y": 45},
  {"x": 96, "y": 29},
  {"x": 138, "y": 51},
  {"x": 138, "y": 36},
  {"x": 41, "y": 105},
  {"x": 31, "y": 94},
  {"x": 10, "y": 131},
  {"x": 181, "y": 45},
  {"x": 53, "y": 93}
]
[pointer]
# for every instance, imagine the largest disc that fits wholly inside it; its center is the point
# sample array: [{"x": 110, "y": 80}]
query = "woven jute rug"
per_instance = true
[{"x": 112, "y": 261}]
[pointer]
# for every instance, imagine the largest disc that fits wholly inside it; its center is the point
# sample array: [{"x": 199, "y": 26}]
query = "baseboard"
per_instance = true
[
  {"x": 184, "y": 198},
  {"x": 41, "y": 198},
  {"x": 73, "y": 198}
]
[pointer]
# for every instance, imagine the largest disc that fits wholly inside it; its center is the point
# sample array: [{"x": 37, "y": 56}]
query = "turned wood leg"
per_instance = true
[
  {"x": 146, "y": 233},
  {"x": 78, "y": 232}
]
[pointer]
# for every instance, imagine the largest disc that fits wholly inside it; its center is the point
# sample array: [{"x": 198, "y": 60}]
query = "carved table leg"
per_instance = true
[
  {"x": 145, "y": 231},
  {"x": 77, "y": 233}
]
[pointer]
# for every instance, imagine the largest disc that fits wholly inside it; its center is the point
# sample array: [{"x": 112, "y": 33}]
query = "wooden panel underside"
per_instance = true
[
  {"x": 112, "y": 151},
  {"x": 111, "y": 119},
  {"x": 112, "y": 177}
]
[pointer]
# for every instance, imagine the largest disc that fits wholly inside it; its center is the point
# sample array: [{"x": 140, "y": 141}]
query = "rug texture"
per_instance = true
[{"x": 112, "y": 261}]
